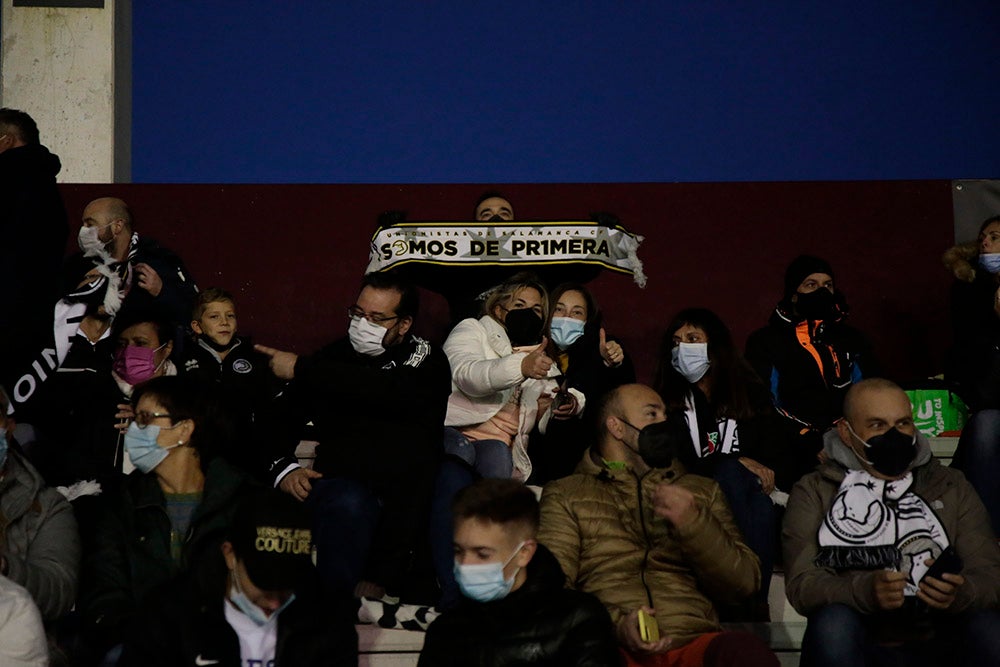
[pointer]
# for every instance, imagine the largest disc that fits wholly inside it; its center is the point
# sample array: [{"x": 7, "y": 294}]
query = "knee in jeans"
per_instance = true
[
  {"x": 833, "y": 621},
  {"x": 459, "y": 446},
  {"x": 345, "y": 497}
]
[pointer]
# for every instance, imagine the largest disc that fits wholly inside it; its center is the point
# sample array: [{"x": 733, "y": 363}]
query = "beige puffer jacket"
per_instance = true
[{"x": 600, "y": 525}]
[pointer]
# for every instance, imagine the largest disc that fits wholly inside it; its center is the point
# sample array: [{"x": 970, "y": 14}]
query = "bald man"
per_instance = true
[
  {"x": 651, "y": 541},
  {"x": 861, "y": 532},
  {"x": 116, "y": 270},
  {"x": 149, "y": 276}
]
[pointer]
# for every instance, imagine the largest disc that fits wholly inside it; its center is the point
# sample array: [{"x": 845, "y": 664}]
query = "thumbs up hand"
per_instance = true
[
  {"x": 536, "y": 364},
  {"x": 611, "y": 352}
]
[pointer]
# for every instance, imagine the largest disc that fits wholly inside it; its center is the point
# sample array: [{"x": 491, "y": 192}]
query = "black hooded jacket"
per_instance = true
[
  {"x": 541, "y": 623},
  {"x": 809, "y": 365},
  {"x": 33, "y": 230}
]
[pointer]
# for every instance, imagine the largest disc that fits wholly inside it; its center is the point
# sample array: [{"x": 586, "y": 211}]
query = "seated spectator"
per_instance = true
[
  {"x": 500, "y": 376},
  {"x": 39, "y": 543},
  {"x": 515, "y": 609},
  {"x": 501, "y": 386},
  {"x": 809, "y": 356},
  {"x": 143, "y": 350},
  {"x": 239, "y": 375},
  {"x": 22, "y": 636},
  {"x": 974, "y": 363},
  {"x": 591, "y": 363},
  {"x": 377, "y": 401},
  {"x": 738, "y": 438},
  {"x": 860, "y": 533},
  {"x": 86, "y": 399},
  {"x": 647, "y": 538},
  {"x": 168, "y": 514},
  {"x": 255, "y": 602}
]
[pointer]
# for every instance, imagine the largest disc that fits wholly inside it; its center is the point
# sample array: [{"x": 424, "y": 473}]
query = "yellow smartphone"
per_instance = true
[{"x": 648, "y": 629}]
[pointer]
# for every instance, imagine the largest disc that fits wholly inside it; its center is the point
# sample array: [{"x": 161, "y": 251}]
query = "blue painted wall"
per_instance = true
[{"x": 423, "y": 92}]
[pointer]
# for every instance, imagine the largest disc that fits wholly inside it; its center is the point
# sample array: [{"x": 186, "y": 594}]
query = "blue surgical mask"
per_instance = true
[
  {"x": 249, "y": 609},
  {"x": 990, "y": 261},
  {"x": 142, "y": 449},
  {"x": 485, "y": 582},
  {"x": 691, "y": 360},
  {"x": 565, "y": 331},
  {"x": 3, "y": 449}
]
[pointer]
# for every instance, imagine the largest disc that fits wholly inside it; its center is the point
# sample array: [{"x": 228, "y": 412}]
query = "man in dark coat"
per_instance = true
[
  {"x": 809, "y": 357},
  {"x": 377, "y": 400},
  {"x": 33, "y": 228}
]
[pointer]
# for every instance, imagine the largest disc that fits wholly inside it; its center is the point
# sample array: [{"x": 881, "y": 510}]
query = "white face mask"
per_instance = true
[
  {"x": 251, "y": 610},
  {"x": 90, "y": 241},
  {"x": 366, "y": 337},
  {"x": 691, "y": 360}
]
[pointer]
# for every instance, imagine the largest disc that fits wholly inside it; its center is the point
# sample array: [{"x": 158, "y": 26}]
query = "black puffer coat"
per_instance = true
[{"x": 541, "y": 623}]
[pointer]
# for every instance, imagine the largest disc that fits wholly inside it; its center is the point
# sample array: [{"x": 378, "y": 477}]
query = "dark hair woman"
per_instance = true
[
  {"x": 738, "y": 438},
  {"x": 590, "y": 362}
]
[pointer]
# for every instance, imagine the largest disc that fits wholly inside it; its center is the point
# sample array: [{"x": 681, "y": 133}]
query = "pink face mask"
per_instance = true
[{"x": 136, "y": 364}]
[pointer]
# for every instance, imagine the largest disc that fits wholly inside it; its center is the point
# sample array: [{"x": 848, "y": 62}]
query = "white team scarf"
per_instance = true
[
  {"x": 879, "y": 524},
  {"x": 109, "y": 288}
]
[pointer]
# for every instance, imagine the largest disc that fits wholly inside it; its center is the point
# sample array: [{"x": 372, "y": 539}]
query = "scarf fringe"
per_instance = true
[{"x": 860, "y": 558}]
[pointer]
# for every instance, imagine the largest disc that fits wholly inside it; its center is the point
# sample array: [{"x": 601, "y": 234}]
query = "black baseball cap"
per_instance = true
[{"x": 272, "y": 535}]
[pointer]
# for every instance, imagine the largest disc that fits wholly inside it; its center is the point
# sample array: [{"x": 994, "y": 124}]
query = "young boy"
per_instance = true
[
  {"x": 247, "y": 390},
  {"x": 515, "y": 609}
]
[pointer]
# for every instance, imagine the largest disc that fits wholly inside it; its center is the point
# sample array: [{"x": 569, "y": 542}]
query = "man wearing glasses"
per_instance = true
[{"x": 377, "y": 400}]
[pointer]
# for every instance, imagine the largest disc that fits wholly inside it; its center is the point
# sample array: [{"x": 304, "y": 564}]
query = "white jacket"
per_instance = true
[
  {"x": 485, "y": 371},
  {"x": 22, "y": 637}
]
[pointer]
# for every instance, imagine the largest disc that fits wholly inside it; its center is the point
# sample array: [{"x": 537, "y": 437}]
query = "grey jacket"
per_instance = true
[
  {"x": 38, "y": 538},
  {"x": 953, "y": 500}
]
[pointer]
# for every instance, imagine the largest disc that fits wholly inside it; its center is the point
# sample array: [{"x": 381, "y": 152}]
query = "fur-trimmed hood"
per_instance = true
[{"x": 962, "y": 260}]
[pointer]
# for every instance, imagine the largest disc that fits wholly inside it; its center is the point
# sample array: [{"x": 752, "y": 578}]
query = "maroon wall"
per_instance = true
[{"x": 294, "y": 254}]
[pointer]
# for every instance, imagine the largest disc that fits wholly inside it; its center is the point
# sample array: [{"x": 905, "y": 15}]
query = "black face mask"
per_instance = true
[
  {"x": 524, "y": 327},
  {"x": 495, "y": 218},
  {"x": 890, "y": 453},
  {"x": 819, "y": 304},
  {"x": 660, "y": 442}
]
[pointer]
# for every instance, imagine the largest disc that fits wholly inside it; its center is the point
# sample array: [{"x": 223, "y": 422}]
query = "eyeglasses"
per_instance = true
[
  {"x": 142, "y": 418},
  {"x": 355, "y": 312}
]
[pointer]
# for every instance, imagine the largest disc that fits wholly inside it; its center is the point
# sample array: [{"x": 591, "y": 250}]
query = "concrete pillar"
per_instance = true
[{"x": 70, "y": 68}]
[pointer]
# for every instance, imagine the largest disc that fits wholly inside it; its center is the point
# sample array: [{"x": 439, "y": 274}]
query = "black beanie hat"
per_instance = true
[{"x": 802, "y": 267}]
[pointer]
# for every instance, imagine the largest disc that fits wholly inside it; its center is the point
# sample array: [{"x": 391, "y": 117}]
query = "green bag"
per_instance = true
[{"x": 938, "y": 412}]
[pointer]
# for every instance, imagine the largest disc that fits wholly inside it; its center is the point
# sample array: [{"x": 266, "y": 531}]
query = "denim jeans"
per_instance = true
[
  {"x": 753, "y": 513},
  {"x": 466, "y": 461},
  {"x": 838, "y": 635},
  {"x": 978, "y": 456},
  {"x": 489, "y": 458},
  {"x": 345, "y": 516}
]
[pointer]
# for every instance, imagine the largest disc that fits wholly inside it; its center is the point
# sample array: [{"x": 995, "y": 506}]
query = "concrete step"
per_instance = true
[{"x": 379, "y": 647}]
